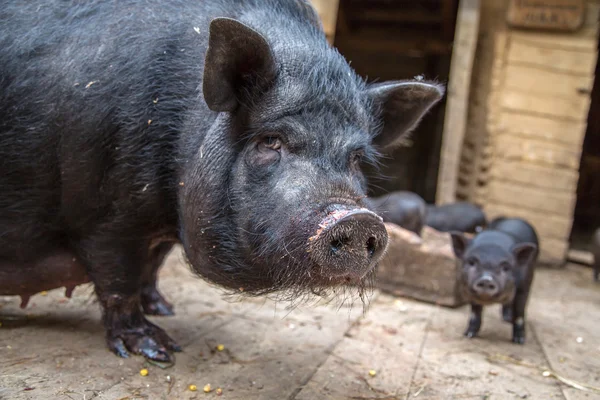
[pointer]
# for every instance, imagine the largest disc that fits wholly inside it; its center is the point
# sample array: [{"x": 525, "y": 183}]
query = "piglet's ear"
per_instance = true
[
  {"x": 459, "y": 244},
  {"x": 239, "y": 63},
  {"x": 524, "y": 253},
  {"x": 402, "y": 105}
]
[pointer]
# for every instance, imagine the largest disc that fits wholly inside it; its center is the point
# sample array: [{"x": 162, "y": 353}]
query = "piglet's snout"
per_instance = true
[
  {"x": 349, "y": 243},
  {"x": 486, "y": 286}
]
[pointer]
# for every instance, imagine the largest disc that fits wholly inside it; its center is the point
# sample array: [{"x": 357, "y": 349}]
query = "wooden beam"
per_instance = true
[
  {"x": 398, "y": 16},
  {"x": 457, "y": 103},
  {"x": 328, "y": 10},
  {"x": 415, "y": 46}
]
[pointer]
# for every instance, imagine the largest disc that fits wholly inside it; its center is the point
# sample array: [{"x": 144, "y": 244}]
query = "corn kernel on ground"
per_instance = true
[{"x": 144, "y": 372}]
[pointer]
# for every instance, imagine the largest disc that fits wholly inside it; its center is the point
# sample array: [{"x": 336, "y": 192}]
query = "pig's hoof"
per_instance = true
[
  {"x": 518, "y": 334},
  {"x": 154, "y": 304},
  {"x": 470, "y": 333},
  {"x": 519, "y": 339},
  {"x": 147, "y": 340}
]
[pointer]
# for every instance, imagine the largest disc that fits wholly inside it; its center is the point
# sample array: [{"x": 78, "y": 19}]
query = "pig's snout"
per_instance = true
[
  {"x": 348, "y": 244},
  {"x": 485, "y": 286}
]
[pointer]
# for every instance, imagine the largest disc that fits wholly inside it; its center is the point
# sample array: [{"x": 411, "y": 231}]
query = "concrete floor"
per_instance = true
[{"x": 55, "y": 348}]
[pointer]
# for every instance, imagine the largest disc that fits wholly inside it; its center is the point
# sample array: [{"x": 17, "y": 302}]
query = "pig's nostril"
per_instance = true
[
  {"x": 486, "y": 285},
  {"x": 338, "y": 244},
  {"x": 371, "y": 246}
]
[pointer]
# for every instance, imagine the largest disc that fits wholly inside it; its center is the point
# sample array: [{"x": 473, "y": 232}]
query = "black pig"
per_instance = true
[
  {"x": 498, "y": 267},
  {"x": 460, "y": 216},
  {"x": 596, "y": 253},
  {"x": 406, "y": 209},
  {"x": 229, "y": 126}
]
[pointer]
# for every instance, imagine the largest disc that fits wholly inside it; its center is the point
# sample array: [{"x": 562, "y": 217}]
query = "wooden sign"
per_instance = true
[{"x": 561, "y": 15}]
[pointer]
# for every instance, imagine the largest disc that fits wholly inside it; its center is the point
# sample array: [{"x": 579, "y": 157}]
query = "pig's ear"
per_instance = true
[
  {"x": 402, "y": 106},
  {"x": 238, "y": 63},
  {"x": 310, "y": 13},
  {"x": 459, "y": 244},
  {"x": 524, "y": 253}
]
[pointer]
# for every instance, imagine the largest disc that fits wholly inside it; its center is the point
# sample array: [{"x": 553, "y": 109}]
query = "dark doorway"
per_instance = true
[
  {"x": 402, "y": 39},
  {"x": 587, "y": 210}
]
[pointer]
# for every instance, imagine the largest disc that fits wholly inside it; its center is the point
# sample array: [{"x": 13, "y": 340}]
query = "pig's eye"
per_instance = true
[
  {"x": 271, "y": 142},
  {"x": 505, "y": 267},
  {"x": 356, "y": 157}
]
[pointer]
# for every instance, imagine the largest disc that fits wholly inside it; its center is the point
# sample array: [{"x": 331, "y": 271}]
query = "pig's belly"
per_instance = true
[{"x": 60, "y": 268}]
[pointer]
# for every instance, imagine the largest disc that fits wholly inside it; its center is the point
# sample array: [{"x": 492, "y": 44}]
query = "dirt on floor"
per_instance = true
[{"x": 398, "y": 349}]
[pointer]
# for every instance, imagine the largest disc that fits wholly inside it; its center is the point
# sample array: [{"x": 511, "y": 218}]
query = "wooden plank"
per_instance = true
[
  {"x": 546, "y": 224},
  {"x": 536, "y": 80},
  {"x": 376, "y": 41},
  {"x": 536, "y": 175},
  {"x": 580, "y": 257},
  {"x": 553, "y": 252},
  {"x": 549, "y": 201},
  {"x": 399, "y": 16},
  {"x": 488, "y": 66},
  {"x": 574, "y": 108},
  {"x": 584, "y": 39},
  {"x": 569, "y": 133},
  {"x": 421, "y": 268},
  {"x": 576, "y": 62},
  {"x": 515, "y": 148},
  {"x": 457, "y": 104},
  {"x": 562, "y": 15}
]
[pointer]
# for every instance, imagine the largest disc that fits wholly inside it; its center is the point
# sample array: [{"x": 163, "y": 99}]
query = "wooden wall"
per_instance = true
[{"x": 529, "y": 103}]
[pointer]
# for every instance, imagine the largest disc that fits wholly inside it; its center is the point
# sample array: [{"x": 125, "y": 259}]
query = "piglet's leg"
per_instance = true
[
  {"x": 115, "y": 266},
  {"x": 153, "y": 303},
  {"x": 507, "y": 312},
  {"x": 519, "y": 316},
  {"x": 474, "y": 321}
]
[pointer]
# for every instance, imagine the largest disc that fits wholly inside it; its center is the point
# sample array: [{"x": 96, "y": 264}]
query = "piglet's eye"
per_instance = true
[
  {"x": 505, "y": 267},
  {"x": 471, "y": 262}
]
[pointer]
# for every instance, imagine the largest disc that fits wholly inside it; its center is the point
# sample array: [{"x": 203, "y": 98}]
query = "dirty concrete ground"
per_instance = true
[{"x": 55, "y": 348}]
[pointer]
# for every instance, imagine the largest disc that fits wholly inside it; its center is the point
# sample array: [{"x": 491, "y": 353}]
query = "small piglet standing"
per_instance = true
[{"x": 498, "y": 267}]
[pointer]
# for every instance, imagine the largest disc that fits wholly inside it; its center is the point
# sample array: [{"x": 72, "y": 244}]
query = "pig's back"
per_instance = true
[{"x": 518, "y": 228}]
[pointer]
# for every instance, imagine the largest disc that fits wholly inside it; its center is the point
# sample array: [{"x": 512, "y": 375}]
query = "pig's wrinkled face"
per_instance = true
[
  {"x": 489, "y": 274},
  {"x": 273, "y": 197},
  {"x": 298, "y": 193}
]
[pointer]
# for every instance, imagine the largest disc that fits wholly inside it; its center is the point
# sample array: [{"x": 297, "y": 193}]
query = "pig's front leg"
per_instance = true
[
  {"x": 115, "y": 266},
  {"x": 474, "y": 321},
  {"x": 153, "y": 303},
  {"x": 519, "y": 316}
]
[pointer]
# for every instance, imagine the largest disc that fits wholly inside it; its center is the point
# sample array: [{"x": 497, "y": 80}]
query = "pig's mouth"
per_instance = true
[
  {"x": 326, "y": 251},
  {"x": 484, "y": 299}
]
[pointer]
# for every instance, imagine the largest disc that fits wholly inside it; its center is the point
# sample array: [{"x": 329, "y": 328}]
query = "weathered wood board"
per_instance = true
[
  {"x": 420, "y": 268},
  {"x": 561, "y": 15}
]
